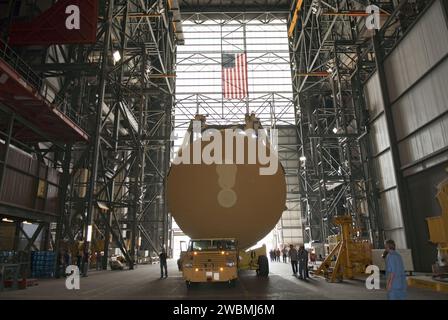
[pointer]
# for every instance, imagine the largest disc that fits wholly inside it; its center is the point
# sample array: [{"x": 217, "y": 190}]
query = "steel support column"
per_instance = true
[{"x": 97, "y": 137}]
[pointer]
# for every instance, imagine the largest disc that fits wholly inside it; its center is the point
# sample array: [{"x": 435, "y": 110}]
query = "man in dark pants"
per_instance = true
[
  {"x": 271, "y": 255},
  {"x": 303, "y": 262},
  {"x": 293, "y": 257},
  {"x": 66, "y": 261},
  {"x": 284, "y": 253},
  {"x": 163, "y": 265}
]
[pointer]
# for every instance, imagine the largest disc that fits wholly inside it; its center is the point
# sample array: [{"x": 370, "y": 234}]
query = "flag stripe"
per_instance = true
[
  {"x": 234, "y": 82},
  {"x": 241, "y": 64},
  {"x": 227, "y": 81},
  {"x": 231, "y": 82},
  {"x": 243, "y": 86},
  {"x": 246, "y": 81},
  {"x": 241, "y": 75},
  {"x": 223, "y": 83},
  {"x": 238, "y": 71},
  {"x": 226, "y": 72}
]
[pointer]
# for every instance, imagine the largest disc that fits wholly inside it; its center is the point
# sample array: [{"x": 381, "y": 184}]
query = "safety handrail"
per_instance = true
[{"x": 51, "y": 96}]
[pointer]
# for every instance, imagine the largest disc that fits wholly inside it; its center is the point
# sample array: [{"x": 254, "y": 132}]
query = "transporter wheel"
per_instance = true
[{"x": 263, "y": 266}]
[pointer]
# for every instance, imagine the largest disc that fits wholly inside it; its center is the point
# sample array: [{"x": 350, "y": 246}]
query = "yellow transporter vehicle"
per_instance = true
[
  {"x": 211, "y": 260},
  {"x": 210, "y": 256}
]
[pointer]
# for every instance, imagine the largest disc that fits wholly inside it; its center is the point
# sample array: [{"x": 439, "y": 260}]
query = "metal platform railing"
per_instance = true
[{"x": 45, "y": 89}]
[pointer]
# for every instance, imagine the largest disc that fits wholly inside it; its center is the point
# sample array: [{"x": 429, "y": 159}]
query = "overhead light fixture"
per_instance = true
[
  {"x": 7, "y": 220},
  {"x": 302, "y": 158},
  {"x": 316, "y": 7},
  {"x": 26, "y": 222},
  {"x": 331, "y": 66},
  {"x": 89, "y": 233},
  {"x": 335, "y": 130},
  {"x": 117, "y": 56}
]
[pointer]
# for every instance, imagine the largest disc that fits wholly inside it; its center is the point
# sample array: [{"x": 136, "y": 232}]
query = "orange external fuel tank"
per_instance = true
[{"x": 220, "y": 200}]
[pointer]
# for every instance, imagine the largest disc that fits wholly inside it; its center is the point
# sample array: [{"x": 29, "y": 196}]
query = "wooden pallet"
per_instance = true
[
  {"x": 21, "y": 283},
  {"x": 31, "y": 282},
  {"x": 427, "y": 282}
]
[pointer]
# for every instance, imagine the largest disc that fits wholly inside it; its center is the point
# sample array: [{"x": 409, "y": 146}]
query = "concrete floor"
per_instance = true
[{"x": 144, "y": 283}]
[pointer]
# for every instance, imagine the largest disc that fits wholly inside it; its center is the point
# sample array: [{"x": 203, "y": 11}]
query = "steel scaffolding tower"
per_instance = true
[
  {"x": 333, "y": 52},
  {"x": 122, "y": 88}
]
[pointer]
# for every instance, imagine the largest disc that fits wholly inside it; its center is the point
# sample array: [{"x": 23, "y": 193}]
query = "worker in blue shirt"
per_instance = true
[{"x": 396, "y": 277}]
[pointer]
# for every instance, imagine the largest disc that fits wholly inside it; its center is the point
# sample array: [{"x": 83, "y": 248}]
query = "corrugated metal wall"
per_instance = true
[
  {"x": 418, "y": 87},
  {"x": 290, "y": 224},
  {"x": 416, "y": 73},
  {"x": 390, "y": 208},
  {"x": 21, "y": 183}
]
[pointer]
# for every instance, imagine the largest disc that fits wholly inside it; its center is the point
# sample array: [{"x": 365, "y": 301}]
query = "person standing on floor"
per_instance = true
[
  {"x": 277, "y": 253},
  {"x": 66, "y": 258},
  {"x": 99, "y": 259},
  {"x": 293, "y": 257},
  {"x": 163, "y": 265},
  {"x": 79, "y": 258},
  {"x": 396, "y": 285},
  {"x": 284, "y": 253},
  {"x": 303, "y": 262},
  {"x": 61, "y": 264}
]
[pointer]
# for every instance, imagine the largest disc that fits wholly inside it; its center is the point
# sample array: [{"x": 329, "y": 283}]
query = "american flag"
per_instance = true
[{"x": 234, "y": 75}]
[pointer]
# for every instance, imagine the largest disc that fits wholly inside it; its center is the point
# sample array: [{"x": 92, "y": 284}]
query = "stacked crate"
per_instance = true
[
  {"x": 42, "y": 264},
  {"x": 7, "y": 256}
]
